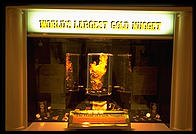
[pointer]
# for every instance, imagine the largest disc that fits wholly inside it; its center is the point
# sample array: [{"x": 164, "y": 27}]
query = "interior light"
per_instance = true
[{"x": 148, "y": 115}]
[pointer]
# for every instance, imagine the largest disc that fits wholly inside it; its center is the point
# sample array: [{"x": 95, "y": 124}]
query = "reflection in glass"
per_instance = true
[
  {"x": 71, "y": 71},
  {"x": 123, "y": 71}
]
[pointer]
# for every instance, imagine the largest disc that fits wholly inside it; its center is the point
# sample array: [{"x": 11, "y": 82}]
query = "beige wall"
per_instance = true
[{"x": 16, "y": 71}]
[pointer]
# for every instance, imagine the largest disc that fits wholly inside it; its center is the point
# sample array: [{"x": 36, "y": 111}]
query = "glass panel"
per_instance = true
[
  {"x": 123, "y": 79},
  {"x": 124, "y": 70},
  {"x": 99, "y": 74},
  {"x": 71, "y": 71},
  {"x": 122, "y": 75}
]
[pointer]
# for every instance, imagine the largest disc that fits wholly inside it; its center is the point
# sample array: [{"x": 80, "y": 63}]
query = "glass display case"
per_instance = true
[
  {"x": 99, "y": 83},
  {"x": 99, "y": 74},
  {"x": 123, "y": 87},
  {"x": 124, "y": 71}
]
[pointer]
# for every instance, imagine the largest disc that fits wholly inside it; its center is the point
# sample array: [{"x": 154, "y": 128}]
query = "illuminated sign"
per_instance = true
[{"x": 100, "y": 22}]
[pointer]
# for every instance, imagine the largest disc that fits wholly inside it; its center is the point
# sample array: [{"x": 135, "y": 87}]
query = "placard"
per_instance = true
[{"x": 119, "y": 22}]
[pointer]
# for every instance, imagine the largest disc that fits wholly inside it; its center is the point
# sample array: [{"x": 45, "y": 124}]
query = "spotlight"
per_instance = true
[{"x": 148, "y": 115}]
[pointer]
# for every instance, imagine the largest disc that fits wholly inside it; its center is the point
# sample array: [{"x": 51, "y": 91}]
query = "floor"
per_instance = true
[{"x": 62, "y": 126}]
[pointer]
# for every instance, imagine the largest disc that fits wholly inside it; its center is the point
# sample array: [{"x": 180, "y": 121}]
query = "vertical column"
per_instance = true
[
  {"x": 182, "y": 86},
  {"x": 16, "y": 70}
]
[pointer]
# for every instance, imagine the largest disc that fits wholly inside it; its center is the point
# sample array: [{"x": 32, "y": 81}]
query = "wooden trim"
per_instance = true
[
  {"x": 113, "y": 7},
  {"x": 101, "y": 36}
]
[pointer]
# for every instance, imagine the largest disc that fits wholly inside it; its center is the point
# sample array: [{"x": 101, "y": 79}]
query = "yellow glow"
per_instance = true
[
  {"x": 42, "y": 124},
  {"x": 100, "y": 22},
  {"x": 68, "y": 66},
  {"x": 148, "y": 115},
  {"x": 108, "y": 124},
  {"x": 37, "y": 115},
  {"x": 85, "y": 123},
  {"x": 97, "y": 72},
  {"x": 69, "y": 71},
  {"x": 95, "y": 111},
  {"x": 99, "y": 105}
]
